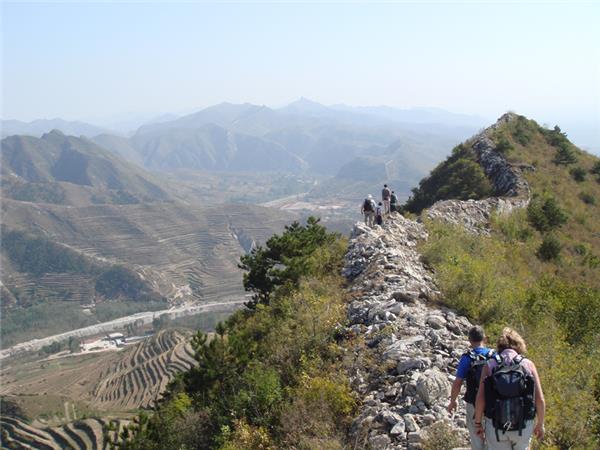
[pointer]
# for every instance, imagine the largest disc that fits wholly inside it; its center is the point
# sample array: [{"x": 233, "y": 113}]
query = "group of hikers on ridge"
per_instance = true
[
  {"x": 374, "y": 212},
  {"x": 504, "y": 398}
]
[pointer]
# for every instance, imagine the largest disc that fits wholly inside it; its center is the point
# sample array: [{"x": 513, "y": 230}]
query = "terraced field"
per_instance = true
[
  {"x": 83, "y": 434},
  {"x": 111, "y": 381},
  {"x": 53, "y": 286},
  {"x": 138, "y": 378},
  {"x": 183, "y": 251},
  {"x": 109, "y": 384}
]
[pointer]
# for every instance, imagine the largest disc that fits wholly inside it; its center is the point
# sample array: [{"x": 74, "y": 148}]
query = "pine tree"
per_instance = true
[{"x": 565, "y": 155}]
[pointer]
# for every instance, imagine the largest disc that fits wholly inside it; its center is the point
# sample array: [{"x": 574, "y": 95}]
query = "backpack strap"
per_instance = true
[
  {"x": 499, "y": 363},
  {"x": 490, "y": 354},
  {"x": 518, "y": 359}
]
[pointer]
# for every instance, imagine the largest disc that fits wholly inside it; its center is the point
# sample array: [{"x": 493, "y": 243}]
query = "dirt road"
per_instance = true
[{"x": 117, "y": 324}]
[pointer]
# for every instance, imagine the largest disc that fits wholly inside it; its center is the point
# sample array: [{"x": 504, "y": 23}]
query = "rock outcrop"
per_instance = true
[
  {"x": 511, "y": 190},
  {"x": 407, "y": 345}
]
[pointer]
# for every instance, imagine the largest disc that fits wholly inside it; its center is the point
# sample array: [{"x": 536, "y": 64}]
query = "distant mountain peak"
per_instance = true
[
  {"x": 305, "y": 105},
  {"x": 53, "y": 132},
  {"x": 306, "y": 101}
]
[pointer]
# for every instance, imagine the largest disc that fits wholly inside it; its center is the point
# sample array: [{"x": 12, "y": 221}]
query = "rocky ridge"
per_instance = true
[
  {"x": 409, "y": 346},
  {"x": 511, "y": 190}
]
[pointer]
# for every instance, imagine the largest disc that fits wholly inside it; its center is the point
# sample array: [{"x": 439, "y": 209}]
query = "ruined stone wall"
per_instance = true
[
  {"x": 413, "y": 346},
  {"x": 408, "y": 345}
]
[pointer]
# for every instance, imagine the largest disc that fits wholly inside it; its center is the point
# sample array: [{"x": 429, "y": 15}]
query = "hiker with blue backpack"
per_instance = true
[
  {"x": 511, "y": 397},
  {"x": 469, "y": 369}
]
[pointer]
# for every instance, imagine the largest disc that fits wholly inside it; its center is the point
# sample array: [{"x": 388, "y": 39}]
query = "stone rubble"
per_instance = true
[
  {"x": 404, "y": 370},
  {"x": 414, "y": 347}
]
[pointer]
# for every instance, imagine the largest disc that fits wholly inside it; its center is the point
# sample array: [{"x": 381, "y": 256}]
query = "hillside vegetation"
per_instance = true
[
  {"x": 48, "y": 280},
  {"x": 538, "y": 271},
  {"x": 272, "y": 376},
  {"x": 458, "y": 177}
]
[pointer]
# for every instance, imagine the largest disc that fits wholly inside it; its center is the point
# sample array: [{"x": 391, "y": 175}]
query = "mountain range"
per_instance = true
[
  {"x": 302, "y": 136},
  {"x": 41, "y": 126}
]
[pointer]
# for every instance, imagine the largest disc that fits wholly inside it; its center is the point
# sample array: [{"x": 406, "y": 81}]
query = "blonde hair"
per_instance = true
[{"x": 511, "y": 339}]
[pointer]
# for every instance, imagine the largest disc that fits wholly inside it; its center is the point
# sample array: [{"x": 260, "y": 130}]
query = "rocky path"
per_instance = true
[
  {"x": 408, "y": 346},
  {"x": 404, "y": 370}
]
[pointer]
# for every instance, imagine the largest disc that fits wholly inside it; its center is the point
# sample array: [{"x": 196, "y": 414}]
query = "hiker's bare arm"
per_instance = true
[
  {"x": 480, "y": 402},
  {"x": 540, "y": 405},
  {"x": 454, "y": 393}
]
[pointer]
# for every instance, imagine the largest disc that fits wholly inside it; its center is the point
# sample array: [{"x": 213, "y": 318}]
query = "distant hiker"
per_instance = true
[
  {"x": 386, "y": 194},
  {"x": 510, "y": 394},
  {"x": 469, "y": 368},
  {"x": 379, "y": 214},
  {"x": 393, "y": 202},
  {"x": 368, "y": 209}
]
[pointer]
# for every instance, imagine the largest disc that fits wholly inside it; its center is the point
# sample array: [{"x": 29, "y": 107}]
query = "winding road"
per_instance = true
[{"x": 105, "y": 327}]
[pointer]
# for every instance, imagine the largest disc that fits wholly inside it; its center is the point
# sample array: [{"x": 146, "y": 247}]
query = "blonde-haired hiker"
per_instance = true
[{"x": 511, "y": 397}]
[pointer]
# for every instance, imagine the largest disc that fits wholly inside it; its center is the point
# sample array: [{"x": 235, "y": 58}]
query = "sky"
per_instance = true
[{"x": 81, "y": 60}]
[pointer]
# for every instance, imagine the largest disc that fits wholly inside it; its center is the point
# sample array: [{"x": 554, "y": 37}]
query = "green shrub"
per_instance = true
[
  {"x": 246, "y": 437},
  {"x": 260, "y": 391},
  {"x": 587, "y": 198},
  {"x": 458, "y": 177},
  {"x": 52, "y": 348},
  {"x": 578, "y": 174},
  {"x": 546, "y": 214},
  {"x": 504, "y": 146},
  {"x": 287, "y": 257},
  {"x": 596, "y": 169},
  {"x": 549, "y": 249},
  {"x": 555, "y": 137},
  {"x": 565, "y": 155},
  {"x": 522, "y": 133},
  {"x": 592, "y": 261}
]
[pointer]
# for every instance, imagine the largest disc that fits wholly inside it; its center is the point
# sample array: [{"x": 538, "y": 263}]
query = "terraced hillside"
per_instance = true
[
  {"x": 180, "y": 249},
  {"x": 179, "y": 252},
  {"x": 83, "y": 434},
  {"x": 103, "y": 385},
  {"x": 137, "y": 378},
  {"x": 110, "y": 381}
]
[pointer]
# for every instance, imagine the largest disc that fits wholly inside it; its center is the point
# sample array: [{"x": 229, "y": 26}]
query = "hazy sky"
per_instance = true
[{"x": 84, "y": 60}]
